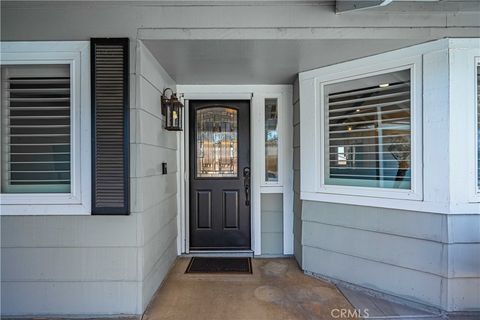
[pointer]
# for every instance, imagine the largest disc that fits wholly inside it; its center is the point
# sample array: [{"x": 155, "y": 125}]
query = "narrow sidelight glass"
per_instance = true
[{"x": 271, "y": 140}]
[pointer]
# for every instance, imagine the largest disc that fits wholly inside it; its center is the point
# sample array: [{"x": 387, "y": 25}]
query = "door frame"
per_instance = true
[{"x": 256, "y": 94}]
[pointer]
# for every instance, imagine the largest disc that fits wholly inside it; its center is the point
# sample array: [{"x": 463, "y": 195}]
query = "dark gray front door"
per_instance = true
[{"x": 219, "y": 174}]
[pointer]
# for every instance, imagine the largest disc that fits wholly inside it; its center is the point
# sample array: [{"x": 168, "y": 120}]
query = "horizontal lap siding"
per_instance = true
[
  {"x": 101, "y": 264},
  {"x": 155, "y": 193},
  {"x": 297, "y": 203},
  {"x": 75, "y": 297},
  {"x": 414, "y": 255},
  {"x": 68, "y": 264}
]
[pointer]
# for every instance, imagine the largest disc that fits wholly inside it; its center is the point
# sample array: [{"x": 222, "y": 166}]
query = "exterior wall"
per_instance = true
[
  {"x": 69, "y": 265},
  {"x": 415, "y": 255},
  {"x": 272, "y": 223},
  {"x": 155, "y": 195},
  {"x": 297, "y": 202},
  {"x": 307, "y": 20},
  {"x": 112, "y": 265},
  {"x": 431, "y": 258},
  {"x": 102, "y": 264}
]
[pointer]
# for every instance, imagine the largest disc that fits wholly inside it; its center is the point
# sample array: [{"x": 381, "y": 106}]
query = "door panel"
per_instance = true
[{"x": 219, "y": 174}]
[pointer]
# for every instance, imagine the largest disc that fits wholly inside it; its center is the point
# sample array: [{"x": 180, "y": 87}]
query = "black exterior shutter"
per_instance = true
[{"x": 110, "y": 123}]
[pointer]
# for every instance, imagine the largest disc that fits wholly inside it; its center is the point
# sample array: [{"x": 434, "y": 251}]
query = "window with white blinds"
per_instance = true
[
  {"x": 36, "y": 129},
  {"x": 368, "y": 131}
]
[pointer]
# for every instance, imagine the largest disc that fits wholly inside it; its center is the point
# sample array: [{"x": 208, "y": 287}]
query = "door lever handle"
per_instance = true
[{"x": 246, "y": 184}]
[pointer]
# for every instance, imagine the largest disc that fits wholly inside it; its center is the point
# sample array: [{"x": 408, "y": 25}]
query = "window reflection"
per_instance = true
[
  {"x": 368, "y": 131},
  {"x": 217, "y": 142},
  {"x": 271, "y": 140}
]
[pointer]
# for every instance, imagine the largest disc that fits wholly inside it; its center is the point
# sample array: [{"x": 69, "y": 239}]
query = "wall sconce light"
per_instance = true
[{"x": 172, "y": 110}]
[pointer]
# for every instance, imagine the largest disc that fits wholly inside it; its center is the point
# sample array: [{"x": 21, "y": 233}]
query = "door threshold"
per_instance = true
[{"x": 220, "y": 253}]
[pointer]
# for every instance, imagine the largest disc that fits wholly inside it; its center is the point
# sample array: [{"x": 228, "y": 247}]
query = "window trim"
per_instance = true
[
  {"x": 76, "y": 55},
  {"x": 315, "y": 188},
  {"x": 415, "y": 134}
]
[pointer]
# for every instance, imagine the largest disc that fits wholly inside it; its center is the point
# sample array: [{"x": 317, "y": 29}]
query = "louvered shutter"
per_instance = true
[
  {"x": 368, "y": 136},
  {"x": 36, "y": 129},
  {"x": 110, "y": 121}
]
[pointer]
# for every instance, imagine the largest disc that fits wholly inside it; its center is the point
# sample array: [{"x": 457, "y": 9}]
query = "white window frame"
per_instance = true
[
  {"x": 76, "y": 55},
  {"x": 311, "y": 91}
]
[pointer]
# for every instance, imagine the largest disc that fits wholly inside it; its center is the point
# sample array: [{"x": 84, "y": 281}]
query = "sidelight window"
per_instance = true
[{"x": 271, "y": 140}]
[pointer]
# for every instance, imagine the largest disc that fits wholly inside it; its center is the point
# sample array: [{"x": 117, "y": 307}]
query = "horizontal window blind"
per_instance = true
[
  {"x": 368, "y": 132},
  {"x": 36, "y": 129},
  {"x": 110, "y": 171}
]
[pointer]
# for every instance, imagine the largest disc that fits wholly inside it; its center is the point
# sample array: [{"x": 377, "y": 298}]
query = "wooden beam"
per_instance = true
[{"x": 343, "y": 6}]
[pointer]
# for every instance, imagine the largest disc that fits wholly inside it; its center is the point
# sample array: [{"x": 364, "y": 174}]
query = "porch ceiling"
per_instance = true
[{"x": 258, "y": 61}]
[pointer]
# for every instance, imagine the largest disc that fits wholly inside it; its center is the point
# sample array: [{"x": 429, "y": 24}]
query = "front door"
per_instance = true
[{"x": 219, "y": 174}]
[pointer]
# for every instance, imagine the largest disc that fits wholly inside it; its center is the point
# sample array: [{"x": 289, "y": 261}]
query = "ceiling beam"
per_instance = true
[{"x": 343, "y": 6}]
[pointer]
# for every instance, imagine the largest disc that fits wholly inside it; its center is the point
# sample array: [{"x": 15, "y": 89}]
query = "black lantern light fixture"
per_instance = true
[{"x": 172, "y": 110}]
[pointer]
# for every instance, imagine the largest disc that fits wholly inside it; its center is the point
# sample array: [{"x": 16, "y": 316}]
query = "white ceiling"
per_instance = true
[{"x": 257, "y": 61}]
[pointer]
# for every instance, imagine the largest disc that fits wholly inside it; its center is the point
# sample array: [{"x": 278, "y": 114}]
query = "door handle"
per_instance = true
[{"x": 246, "y": 185}]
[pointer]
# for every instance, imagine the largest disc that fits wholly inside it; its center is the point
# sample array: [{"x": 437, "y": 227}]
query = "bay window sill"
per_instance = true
[{"x": 378, "y": 202}]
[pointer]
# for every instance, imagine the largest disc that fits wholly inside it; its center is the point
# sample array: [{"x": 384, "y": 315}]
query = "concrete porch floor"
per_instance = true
[{"x": 277, "y": 289}]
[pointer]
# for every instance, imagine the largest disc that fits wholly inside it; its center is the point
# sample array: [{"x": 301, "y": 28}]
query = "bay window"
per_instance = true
[{"x": 361, "y": 131}]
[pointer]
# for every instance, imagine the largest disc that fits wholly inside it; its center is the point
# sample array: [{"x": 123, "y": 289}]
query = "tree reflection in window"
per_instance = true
[
  {"x": 217, "y": 142},
  {"x": 367, "y": 138}
]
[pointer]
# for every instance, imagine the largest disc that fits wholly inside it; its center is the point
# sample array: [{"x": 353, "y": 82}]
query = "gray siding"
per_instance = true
[
  {"x": 297, "y": 203},
  {"x": 102, "y": 264},
  {"x": 414, "y": 255},
  {"x": 156, "y": 194},
  {"x": 83, "y": 265},
  {"x": 272, "y": 223},
  {"x": 62, "y": 264}
]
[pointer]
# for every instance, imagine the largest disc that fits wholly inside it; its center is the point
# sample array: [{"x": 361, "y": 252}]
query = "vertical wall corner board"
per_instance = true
[{"x": 110, "y": 126}]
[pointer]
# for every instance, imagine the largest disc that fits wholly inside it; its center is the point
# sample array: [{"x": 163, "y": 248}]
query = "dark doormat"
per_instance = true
[{"x": 219, "y": 265}]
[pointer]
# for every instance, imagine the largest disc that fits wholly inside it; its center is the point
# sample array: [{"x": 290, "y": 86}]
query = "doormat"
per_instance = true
[{"x": 219, "y": 265}]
